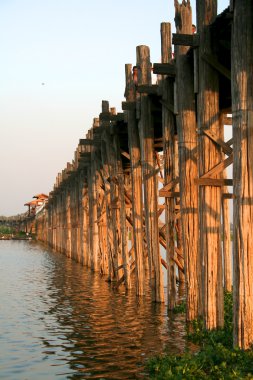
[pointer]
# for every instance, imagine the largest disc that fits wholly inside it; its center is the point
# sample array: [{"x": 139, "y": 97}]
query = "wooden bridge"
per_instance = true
[
  {"x": 147, "y": 192},
  {"x": 13, "y": 221}
]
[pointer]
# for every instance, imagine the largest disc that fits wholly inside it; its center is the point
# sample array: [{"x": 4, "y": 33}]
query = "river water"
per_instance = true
[{"x": 60, "y": 321}]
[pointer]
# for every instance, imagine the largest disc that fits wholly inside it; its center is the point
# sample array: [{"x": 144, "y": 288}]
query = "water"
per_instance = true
[{"x": 60, "y": 321}]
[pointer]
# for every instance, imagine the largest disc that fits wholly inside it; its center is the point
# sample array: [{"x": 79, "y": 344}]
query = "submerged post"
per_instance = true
[
  {"x": 146, "y": 131},
  {"x": 188, "y": 169},
  {"x": 209, "y": 157},
  {"x": 169, "y": 141},
  {"x": 136, "y": 180}
]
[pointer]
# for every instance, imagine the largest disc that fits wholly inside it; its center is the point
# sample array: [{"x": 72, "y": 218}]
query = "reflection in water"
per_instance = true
[{"x": 59, "y": 320}]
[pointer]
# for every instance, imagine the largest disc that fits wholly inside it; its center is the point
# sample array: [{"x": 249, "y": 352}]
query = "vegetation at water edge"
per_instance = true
[{"x": 216, "y": 358}]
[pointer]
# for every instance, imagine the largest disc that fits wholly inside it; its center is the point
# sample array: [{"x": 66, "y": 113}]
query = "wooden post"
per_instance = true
[
  {"x": 209, "y": 156},
  {"x": 114, "y": 196},
  {"x": 94, "y": 163},
  {"x": 136, "y": 180},
  {"x": 108, "y": 219},
  {"x": 168, "y": 122},
  {"x": 242, "y": 110},
  {"x": 146, "y": 131},
  {"x": 121, "y": 211},
  {"x": 188, "y": 169},
  {"x": 93, "y": 211},
  {"x": 85, "y": 223},
  {"x": 108, "y": 196},
  {"x": 101, "y": 214}
]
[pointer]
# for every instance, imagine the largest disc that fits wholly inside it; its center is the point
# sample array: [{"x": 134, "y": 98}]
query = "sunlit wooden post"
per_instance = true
[
  {"x": 108, "y": 137},
  {"x": 136, "y": 179},
  {"x": 146, "y": 131},
  {"x": 121, "y": 211},
  {"x": 106, "y": 169},
  {"x": 94, "y": 244},
  {"x": 209, "y": 157},
  {"x": 242, "y": 110},
  {"x": 85, "y": 223},
  {"x": 188, "y": 169},
  {"x": 169, "y": 141},
  {"x": 80, "y": 185}
]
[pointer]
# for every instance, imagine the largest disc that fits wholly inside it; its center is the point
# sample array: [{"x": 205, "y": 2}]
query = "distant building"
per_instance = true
[{"x": 37, "y": 204}]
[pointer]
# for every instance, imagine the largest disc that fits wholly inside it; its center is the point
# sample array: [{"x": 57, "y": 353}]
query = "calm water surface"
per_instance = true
[{"x": 59, "y": 321}]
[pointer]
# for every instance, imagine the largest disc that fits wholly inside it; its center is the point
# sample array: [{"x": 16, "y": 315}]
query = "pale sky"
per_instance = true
[{"x": 59, "y": 60}]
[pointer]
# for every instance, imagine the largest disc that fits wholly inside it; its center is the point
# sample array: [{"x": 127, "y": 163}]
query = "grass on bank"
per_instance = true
[{"x": 216, "y": 358}]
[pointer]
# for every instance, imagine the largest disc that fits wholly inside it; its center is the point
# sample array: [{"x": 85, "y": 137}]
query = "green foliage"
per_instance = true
[
  {"x": 216, "y": 358},
  {"x": 4, "y": 230},
  {"x": 214, "y": 361},
  {"x": 180, "y": 308}
]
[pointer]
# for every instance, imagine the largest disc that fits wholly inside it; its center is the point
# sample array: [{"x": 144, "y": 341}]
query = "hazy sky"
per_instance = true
[{"x": 59, "y": 60}]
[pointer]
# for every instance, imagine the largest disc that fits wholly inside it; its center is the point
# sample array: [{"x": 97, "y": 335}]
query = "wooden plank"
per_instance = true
[
  {"x": 128, "y": 106},
  {"x": 85, "y": 142},
  {"x": 125, "y": 154},
  {"x": 165, "y": 69},
  {"x": 225, "y": 147},
  {"x": 230, "y": 142},
  {"x": 219, "y": 167},
  {"x": 213, "y": 182},
  {"x": 213, "y": 62},
  {"x": 169, "y": 194},
  {"x": 228, "y": 196},
  {"x": 185, "y": 39},
  {"x": 169, "y": 186},
  {"x": 169, "y": 106},
  {"x": 147, "y": 89}
]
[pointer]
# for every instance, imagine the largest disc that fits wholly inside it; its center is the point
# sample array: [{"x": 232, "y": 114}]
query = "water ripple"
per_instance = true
[{"x": 59, "y": 320}]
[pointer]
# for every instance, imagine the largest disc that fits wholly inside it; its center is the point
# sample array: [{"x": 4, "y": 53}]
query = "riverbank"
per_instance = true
[
  {"x": 15, "y": 237},
  {"x": 7, "y": 233}
]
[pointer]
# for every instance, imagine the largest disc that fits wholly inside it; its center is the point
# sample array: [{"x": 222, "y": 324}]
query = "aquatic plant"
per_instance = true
[{"x": 216, "y": 358}]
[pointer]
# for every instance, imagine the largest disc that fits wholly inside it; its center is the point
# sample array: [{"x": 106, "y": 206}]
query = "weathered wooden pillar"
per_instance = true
[
  {"x": 73, "y": 216},
  {"x": 108, "y": 219},
  {"x": 146, "y": 131},
  {"x": 108, "y": 137},
  {"x": 68, "y": 214},
  {"x": 121, "y": 211},
  {"x": 80, "y": 181},
  {"x": 64, "y": 215},
  {"x": 93, "y": 210},
  {"x": 97, "y": 256},
  {"x": 188, "y": 168},
  {"x": 136, "y": 181},
  {"x": 109, "y": 192},
  {"x": 85, "y": 222},
  {"x": 101, "y": 207},
  {"x": 209, "y": 157},
  {"x": 168, "y": 123},
  {"x": 49, "y": 237},
  {"x": 242, "y": 111}
]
